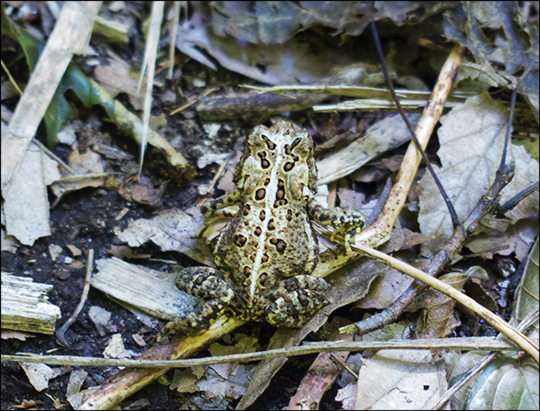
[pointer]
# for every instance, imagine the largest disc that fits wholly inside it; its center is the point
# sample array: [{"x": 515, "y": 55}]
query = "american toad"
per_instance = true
[{"x": 268, "y": 250}]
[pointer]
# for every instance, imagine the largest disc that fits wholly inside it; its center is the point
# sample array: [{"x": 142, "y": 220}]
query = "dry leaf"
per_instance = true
[{"x": 472, "y": 139}]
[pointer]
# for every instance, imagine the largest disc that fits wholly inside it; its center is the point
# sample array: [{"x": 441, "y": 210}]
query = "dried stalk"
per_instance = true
[{"x": 463, "y": 343}]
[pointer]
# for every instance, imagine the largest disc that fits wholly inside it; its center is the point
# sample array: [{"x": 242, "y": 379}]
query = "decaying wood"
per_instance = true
[
  {"x": 254, "y": 106},
  {"x": 129, "y": 285},
  {"x": 25, "y": 305}
]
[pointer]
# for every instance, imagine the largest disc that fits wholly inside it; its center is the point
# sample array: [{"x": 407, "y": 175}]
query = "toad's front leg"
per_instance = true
[
  {"x": 296, "y": 300},
  {"x": 348, "y": 222},
  {"x": 205, "y": 283},
  {"x": 221, "y": 206},
  {"x": 224, "y": 206}
]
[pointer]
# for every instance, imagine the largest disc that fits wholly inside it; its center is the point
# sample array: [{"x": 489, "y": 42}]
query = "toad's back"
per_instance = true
[{"x": 271, "y": 237}]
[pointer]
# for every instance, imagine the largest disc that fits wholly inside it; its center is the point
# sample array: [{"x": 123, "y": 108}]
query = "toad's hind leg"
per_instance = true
[
  {"x": 205, "y": 283},
  {"x": 296, "y": 300}
]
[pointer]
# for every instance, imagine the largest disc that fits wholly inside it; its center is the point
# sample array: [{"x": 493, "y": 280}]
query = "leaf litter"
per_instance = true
[{"x": 222, "y": 27}]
